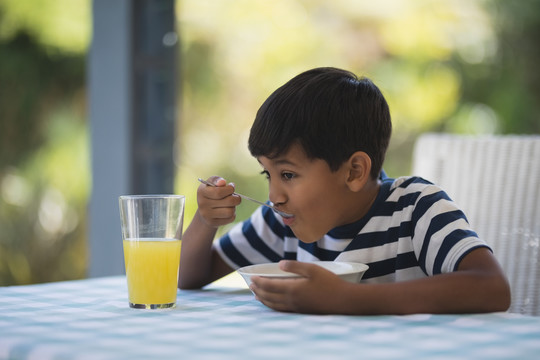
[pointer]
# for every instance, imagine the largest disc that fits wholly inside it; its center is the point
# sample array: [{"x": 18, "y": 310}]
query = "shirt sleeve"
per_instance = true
[{"x": 442, "y": 234}]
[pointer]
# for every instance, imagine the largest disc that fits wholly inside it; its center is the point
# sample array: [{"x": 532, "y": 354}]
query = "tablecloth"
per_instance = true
[{"x": 90, "y": 319}]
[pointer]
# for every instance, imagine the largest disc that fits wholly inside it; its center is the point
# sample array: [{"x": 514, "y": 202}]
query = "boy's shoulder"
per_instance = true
[
  {"x": 409, "y": 187},
  {"x": 408, "y": 184},
  {"x": 408, "y": 181}
]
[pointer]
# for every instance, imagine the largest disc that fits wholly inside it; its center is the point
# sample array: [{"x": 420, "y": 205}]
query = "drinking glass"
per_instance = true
[{"x": 152, "y": 235}]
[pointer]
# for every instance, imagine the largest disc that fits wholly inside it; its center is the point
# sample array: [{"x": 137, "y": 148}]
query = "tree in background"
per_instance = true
[
  {"x": 507, "y": 78},
  {"x": 44, "y": 177}
]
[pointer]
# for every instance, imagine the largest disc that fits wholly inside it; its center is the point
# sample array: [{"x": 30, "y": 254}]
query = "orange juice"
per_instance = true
[{"x": 152, "y": 271}]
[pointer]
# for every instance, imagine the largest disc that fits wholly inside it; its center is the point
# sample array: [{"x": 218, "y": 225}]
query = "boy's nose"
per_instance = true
[{"x": 276, "y": 195}]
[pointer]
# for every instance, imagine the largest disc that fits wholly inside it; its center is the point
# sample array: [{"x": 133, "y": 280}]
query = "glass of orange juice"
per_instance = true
[{"x": 152, "y": 234}]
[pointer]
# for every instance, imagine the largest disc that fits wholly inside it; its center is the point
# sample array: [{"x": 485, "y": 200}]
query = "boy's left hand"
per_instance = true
[{"x": 317, "y": 291}]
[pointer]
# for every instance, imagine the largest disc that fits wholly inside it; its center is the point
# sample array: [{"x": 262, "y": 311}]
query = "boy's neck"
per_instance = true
[{"x": 362, "y": 201}]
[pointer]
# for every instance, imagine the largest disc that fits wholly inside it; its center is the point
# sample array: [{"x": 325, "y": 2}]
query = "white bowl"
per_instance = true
[{"x": 348, "y": 271}]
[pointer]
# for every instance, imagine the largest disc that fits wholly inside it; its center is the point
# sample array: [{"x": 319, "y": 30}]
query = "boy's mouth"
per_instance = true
[{"x": 288, "y": 220}]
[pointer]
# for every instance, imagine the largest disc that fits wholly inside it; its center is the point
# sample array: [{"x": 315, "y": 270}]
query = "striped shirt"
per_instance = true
[{"x": 412, "y": 230}]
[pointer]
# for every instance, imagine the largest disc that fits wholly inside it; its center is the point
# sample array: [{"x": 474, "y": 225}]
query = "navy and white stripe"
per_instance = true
[{"x": 413, "y": 230}]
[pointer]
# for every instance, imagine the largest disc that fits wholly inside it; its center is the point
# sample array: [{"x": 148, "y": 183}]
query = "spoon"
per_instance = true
[{"x": 283, "y": 214}]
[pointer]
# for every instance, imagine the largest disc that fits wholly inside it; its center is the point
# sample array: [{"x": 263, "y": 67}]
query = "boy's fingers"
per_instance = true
[
  {"x": 217, "y": 180},
  {"x": 220, "y": 191},
  {"x": 297, "y": 267}
]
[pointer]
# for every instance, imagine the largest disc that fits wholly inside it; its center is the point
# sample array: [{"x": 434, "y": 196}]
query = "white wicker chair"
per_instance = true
[{"x": 496, "y": 181}]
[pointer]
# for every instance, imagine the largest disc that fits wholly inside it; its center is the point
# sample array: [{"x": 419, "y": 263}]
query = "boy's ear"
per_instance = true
[{"x": 359, "y": 166}]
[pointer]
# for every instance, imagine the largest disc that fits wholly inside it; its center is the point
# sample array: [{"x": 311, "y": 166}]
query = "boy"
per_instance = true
[{"x": 321, "y": 140}]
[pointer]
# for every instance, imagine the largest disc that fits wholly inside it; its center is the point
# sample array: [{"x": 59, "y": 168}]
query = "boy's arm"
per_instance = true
[
  {"x": 479, "y": 285},
  {"x": 200, "y": 264}
]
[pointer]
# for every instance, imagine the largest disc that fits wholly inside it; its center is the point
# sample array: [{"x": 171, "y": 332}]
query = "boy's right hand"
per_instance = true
[{"x": 217, "y": 205}]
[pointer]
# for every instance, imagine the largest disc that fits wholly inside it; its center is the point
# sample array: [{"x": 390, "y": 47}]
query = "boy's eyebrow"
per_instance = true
[
  {"x": 280, "y": 161},
  {"x": 283, "y": 162}
]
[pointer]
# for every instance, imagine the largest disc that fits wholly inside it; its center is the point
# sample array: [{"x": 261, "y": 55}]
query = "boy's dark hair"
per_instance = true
[{"x": 330, "y": 112}]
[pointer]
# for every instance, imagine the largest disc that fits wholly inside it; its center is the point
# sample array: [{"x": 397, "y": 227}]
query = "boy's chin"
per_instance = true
[{"x": 308, "y": 238}]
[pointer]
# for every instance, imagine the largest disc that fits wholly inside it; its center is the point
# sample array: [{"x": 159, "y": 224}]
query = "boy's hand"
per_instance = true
[
  {"x": 317, "y": 291},
  {"x": 217, "y": 205}
]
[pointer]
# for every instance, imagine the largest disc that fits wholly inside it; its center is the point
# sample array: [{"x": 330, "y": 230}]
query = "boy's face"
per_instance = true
[{"x": 307, "y": 189}]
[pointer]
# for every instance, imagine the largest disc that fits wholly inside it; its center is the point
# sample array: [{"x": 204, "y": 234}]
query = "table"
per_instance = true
[{"x": 90, "y": 319}]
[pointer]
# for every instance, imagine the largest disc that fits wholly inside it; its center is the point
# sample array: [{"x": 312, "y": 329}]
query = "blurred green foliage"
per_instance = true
[
  {"x": 44, "y": 167},
  {"x": 456, "y": 66}
]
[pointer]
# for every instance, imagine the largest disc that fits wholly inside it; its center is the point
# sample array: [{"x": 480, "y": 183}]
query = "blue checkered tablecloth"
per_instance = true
[{"x": 90, "y": 319}]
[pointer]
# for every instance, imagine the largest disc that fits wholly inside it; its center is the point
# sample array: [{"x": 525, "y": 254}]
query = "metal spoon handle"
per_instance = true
[
  {"x": 242, "y": 196},
  {"x": 283, "y": 214}
]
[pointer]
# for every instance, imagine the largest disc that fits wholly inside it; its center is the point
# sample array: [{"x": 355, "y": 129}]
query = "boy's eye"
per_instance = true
[
  {"x": 287, "y": 175},
  {"x": 266, "y": 174}
]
